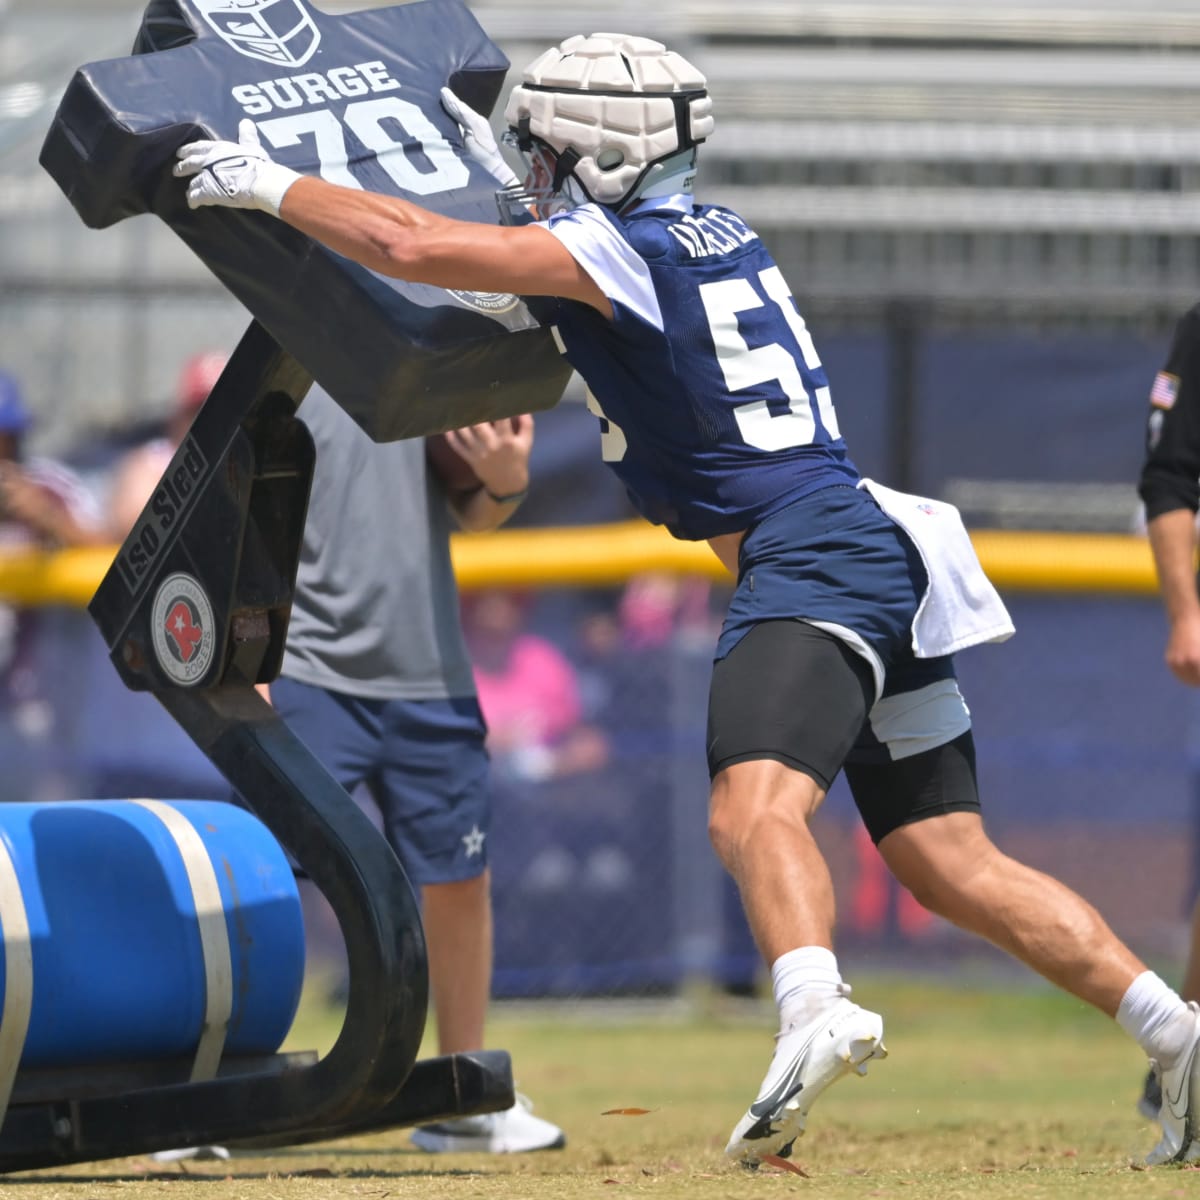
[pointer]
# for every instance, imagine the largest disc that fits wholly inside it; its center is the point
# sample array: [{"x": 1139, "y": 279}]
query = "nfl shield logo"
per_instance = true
[{"x": 279, "y": 32}]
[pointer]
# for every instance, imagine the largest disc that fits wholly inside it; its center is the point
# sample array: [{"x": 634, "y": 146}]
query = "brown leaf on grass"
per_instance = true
[
  {"x": 784, "y": 1164},
  {"x": 627, "y": 1112}
]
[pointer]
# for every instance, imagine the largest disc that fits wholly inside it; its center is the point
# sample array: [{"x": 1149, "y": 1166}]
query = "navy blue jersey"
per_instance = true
[{"x": 715, "y": 408}]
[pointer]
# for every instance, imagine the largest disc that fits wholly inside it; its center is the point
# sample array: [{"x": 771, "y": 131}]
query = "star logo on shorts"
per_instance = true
[{"x": 474, "y": 841}]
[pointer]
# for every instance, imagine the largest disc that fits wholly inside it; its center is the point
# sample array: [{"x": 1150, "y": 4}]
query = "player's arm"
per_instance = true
[
  {"x": 385, "y": 233},
  {"x": 394, "y": 237}
]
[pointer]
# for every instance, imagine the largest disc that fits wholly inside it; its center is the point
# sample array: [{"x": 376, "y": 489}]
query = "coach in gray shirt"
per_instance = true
[{"x": 377, "y": 682}]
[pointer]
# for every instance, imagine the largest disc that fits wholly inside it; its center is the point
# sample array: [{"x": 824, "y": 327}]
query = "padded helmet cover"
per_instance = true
[{"x": 621, "y": 103}]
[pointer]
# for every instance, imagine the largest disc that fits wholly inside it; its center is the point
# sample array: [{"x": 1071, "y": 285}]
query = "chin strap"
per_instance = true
[{"x": 567, "y": 161}]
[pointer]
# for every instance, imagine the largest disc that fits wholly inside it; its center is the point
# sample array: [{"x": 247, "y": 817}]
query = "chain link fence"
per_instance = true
[{"x": 989, "y": 218}]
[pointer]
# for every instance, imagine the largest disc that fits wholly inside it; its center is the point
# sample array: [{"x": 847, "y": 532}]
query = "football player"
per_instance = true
[{"x": 851, "y": 598}]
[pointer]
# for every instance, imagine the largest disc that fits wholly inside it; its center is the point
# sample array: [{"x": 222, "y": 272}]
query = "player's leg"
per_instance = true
[
  {"x": 954, "y": 869},
  {"x": 786, "y": 705},
  {"x": 434, "y": 796},
  {"x": 920, "y": 803}
]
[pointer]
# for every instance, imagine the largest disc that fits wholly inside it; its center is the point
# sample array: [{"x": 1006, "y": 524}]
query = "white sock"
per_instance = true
[
  {"x": 805, "y": 980},
  {"x": 1156, "y": 1018}
]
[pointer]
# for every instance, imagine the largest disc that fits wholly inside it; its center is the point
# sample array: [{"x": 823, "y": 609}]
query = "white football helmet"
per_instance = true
[{"x": 610, "y": 118}]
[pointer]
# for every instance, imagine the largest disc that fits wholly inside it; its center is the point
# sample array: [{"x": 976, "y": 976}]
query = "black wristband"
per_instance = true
[{"x": 510, "y": 498}]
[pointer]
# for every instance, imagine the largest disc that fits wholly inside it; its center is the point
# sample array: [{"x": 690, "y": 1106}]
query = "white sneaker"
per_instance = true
[
  {"x": 1179, "y": 1114},
  {"x": 808, "y": 1058},
  {"x": 514, "y": 1131},
  {"x": 199, "y": 1153}
]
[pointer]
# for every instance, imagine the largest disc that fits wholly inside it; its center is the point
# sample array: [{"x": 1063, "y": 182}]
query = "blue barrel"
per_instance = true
[{"x": 122, "y": 966}]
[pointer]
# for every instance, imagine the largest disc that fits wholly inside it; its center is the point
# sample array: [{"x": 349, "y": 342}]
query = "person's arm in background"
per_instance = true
[
  {"x": 494, "y": 476},
  {"x": 53, "y": 509},
  {"x": 1173, "y": 543},
  {"x": 1169, "y": 486}
]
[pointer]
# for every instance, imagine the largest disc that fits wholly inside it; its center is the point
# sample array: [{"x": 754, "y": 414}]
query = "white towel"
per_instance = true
[{"x": 960, "y": 607}]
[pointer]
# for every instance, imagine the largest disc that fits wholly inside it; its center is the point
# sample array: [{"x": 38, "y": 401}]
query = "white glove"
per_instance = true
[
  {"x": 478, "y": 139},
  {"x": 234, "y": 174}
]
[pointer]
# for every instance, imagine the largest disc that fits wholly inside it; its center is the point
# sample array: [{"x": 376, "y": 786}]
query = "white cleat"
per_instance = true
[
  {"x": 808, "y": 1059},
  {"x": 199, "y": 1153},
  {"x": 514, "y": 1131},
  {"x": 1179, "y": 1114}
]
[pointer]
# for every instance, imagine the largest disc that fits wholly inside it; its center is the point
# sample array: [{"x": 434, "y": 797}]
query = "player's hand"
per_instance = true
[
  {"x": 479, "y": 140},
  {"x": 234, "y": 174},
  {"x": 1183, "y": 650},
  {"x": 497, "y": 451}
]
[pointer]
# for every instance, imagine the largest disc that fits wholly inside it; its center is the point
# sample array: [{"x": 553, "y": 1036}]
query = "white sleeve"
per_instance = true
[{"x": 613, "y": 264}]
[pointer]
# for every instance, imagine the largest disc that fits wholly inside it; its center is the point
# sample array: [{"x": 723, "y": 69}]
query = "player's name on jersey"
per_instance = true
[
  {"x": 713, "y": 232},
  {"x": 313, "y": 88}
]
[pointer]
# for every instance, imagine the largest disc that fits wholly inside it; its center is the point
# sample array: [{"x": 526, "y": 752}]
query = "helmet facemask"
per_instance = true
[{"x": 549, "y": 187}]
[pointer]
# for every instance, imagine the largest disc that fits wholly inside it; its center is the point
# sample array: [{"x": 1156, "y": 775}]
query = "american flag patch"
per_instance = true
[{"x": 1165, "y": 390}]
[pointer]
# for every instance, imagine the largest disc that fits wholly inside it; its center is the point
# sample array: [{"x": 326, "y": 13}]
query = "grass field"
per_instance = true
[{"x": 989, "y": 1091}]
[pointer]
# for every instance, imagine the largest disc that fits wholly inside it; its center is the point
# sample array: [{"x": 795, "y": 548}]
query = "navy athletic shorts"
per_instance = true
[
  {"x": 815, "y": 666},
  {"x": 834, "y": 559},
  {"x": 423, "y": 761}
]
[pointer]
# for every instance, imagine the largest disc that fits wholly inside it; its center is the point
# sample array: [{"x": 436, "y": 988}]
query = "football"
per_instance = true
[{"x": 456, "y": 474}]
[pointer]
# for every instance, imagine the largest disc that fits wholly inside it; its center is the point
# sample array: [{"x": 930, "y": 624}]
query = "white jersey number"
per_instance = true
[
  {"x": 369, "y": 121},
  {"x": 744, "y": 366}
]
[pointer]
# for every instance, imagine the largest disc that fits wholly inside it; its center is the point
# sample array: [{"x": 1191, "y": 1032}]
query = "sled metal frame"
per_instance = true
[{"x": 229, "y": 511}]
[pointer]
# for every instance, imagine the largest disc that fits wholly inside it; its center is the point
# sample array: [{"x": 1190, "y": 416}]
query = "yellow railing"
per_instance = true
[{"x": 596, "y": 555}]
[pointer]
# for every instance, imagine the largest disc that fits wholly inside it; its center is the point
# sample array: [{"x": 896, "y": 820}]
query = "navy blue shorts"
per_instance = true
[
  {"x": 423, "y": 761},
  {"x": 836, "y": 561}
]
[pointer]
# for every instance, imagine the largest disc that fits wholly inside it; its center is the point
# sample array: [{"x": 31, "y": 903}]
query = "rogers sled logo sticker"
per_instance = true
[
  {"x": 181, "y": 624},
  {"x": 488, "y": 302}
]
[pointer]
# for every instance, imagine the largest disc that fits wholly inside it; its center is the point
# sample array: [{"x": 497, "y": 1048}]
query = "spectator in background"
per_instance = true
[
  {"x": 42, "y": 503},
  {"x": 43, "y": 506},
  {"x": 1169, "y": 485},
  {"x": 137, "y": 474},
  {"x": 529, "y": 692},
  {"x": 657, "y": 608},
  {"x": 376, "y": 681}
]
